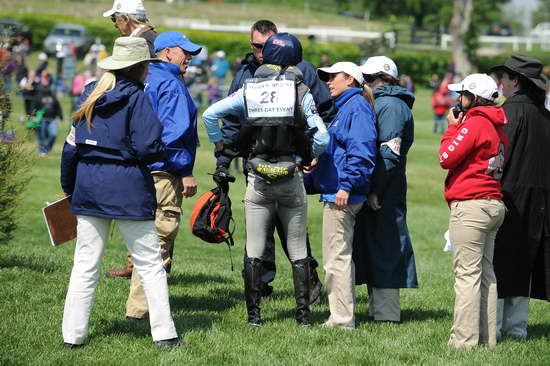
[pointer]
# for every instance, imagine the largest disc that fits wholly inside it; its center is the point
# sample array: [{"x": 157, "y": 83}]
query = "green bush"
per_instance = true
[
  {"x": 15, "y": 162},
  {"x": 234, "y": 44}
]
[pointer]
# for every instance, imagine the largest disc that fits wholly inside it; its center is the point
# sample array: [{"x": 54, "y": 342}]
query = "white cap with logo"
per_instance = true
[
  {"x": 377, "y": 64},
  {"x": 348, "y": 67},
  {"x": 126, "y": 7},
  {"x": 478, "y": 84}
]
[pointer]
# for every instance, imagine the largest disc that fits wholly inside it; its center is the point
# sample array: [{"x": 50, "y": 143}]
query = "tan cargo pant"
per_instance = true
[
  {"x": 338, "y": 263},
  {"x": 169, "y": 191},
  {"x": 473, "y": 225}
]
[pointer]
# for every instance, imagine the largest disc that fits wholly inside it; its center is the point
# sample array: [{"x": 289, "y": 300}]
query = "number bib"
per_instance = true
[{"x": 270, "y": 99}]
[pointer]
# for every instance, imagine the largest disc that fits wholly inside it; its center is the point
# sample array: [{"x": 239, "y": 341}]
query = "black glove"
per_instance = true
[{"x": 222, "y": 176}]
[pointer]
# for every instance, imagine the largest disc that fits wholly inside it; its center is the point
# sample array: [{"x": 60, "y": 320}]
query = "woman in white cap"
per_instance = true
[
  {"x": 472, "y": 150},
  {"x": 115, "y": 134},
  {"x": 342, "y": 176},
  {"x": 382, "y": 248}
]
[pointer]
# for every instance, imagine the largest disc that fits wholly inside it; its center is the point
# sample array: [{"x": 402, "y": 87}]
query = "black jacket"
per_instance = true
[{"x": 522, "y": 246}]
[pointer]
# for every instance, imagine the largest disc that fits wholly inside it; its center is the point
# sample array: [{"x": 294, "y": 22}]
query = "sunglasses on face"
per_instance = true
[{"x": 258, "y": 46}]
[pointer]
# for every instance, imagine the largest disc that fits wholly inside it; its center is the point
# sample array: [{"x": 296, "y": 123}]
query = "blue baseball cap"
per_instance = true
[
  {"x": 176, "y": 39},
  {"x": 282, "y": 49}
]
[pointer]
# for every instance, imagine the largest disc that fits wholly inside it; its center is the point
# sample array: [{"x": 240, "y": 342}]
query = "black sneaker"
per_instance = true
[
  {"x": 71, "y": 345},
  {"x": 169, "y": 343}
]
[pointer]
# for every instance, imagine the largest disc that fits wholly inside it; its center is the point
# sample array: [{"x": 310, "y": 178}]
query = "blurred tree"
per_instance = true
[
  {"x": 460, "y": 25},
  {"x": 542, "y": 14}
]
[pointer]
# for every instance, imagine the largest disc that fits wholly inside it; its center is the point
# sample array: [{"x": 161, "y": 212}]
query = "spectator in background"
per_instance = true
[
  {"x": 434, "y": 82},
  {"x": 472, "y": 150},
  {"x": 236, "y": 65},
  {"x": 382, "y": 248},
  {"x": 47, "y": 107},
  {"x": 325, "y": 61},
  {"x": 43, "y": 64},
  {"x": 130, "y": 18},
  {"x": 522, "y": 249},
  {"x": 441, "y": 102},
  {"x": 219, "y": 68},
  {"x": 213, "y": 90}
]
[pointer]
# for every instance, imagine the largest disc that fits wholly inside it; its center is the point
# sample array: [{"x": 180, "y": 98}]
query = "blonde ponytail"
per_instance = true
[
  {"x": 368, "y": 94},
  {"x": 106, "y": 83}
]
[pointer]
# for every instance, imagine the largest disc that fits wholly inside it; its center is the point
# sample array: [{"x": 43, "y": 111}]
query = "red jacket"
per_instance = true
[{"x": 473, "y": 152}]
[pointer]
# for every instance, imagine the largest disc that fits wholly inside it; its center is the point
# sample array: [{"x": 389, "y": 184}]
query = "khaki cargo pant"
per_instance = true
[
  {"x": 169, "y": 191},
  {"x": 473, "y": 226}
]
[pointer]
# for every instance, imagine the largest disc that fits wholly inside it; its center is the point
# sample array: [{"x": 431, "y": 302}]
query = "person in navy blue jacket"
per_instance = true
[
  {"x": 173, "y": 176},
  {"x": 343, "y": 177},
  {"x": 115, "y": 134},
  {"x": 382, "y": 249},
  {"x": 259, "y": 33}
]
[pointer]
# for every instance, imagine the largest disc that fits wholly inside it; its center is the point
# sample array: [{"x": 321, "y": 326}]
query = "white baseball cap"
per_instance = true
[
  {"x": 377, "y": 64},
  {"x": 478, "y": 84},
  {"x": 126, "y": 7},
  {"x": 348, "y": 67}
]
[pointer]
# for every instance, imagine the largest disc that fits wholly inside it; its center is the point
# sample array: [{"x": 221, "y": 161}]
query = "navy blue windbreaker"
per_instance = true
[{"x": 106, "y": 170}]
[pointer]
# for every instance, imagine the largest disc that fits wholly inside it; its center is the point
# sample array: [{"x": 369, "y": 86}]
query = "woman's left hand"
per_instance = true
[{"x": 341, "y": 199}]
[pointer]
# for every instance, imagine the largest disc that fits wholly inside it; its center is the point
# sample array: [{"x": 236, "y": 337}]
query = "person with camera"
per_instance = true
[
  {"x": 279, "y": 110},
  {"x": 472, "y": 150}
]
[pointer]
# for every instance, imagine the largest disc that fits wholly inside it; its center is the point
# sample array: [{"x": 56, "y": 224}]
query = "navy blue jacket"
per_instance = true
[
  {"x": 319, "y": 90},
  {"x": 177, "y": 112},
  {"x": 106, "y": 170},
  {"x": 382, "y": 249},
  {"x": 348, "y": 161}
]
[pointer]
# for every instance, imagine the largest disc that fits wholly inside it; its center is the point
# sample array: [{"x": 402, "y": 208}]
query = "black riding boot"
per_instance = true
[
  {"x": 301, "y": 274},
  {"x": 252, "y": 288}
]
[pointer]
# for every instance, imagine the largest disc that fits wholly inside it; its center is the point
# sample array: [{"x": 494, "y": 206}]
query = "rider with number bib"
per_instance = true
[{"x": 280, "y": 114}]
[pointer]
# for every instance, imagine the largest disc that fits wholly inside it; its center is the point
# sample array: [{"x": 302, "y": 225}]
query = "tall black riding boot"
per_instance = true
[
  {"x": 301, "y": 274},
  {"x": 252, "y": 287}
]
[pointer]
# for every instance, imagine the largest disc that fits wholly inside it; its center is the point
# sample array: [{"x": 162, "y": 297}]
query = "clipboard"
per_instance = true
[{"x": 60, "y": 221}]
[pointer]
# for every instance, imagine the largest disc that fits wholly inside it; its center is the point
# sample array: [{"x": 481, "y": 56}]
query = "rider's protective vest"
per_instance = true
[{"x": 273, "y": 110}]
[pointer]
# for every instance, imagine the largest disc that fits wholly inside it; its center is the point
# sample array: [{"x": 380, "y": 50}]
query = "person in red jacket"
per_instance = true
[
  {"x": 472, "y": 149},
  {"x": 441, "y": 101}
]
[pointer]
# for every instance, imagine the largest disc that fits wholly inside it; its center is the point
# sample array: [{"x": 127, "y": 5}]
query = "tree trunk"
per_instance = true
[{"x": 462, "y": 15}]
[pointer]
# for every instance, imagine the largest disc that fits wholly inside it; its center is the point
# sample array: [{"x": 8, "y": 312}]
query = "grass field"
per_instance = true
[{"x": 206, "y": 297}]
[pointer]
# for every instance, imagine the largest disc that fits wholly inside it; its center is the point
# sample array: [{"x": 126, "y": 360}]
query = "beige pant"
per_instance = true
[
  {"x": 169, "y": 191},
  {"x": 473, "y": 226},
  {"x": 339, "y": 267},
  {"x": 384, "y": 304},
  {"x": 141, "y": 240}
]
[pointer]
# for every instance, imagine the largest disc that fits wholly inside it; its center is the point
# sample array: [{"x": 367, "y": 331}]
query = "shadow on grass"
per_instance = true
[
  {"x": 538, "y": 331},
  {"x": 30, "y": 263},
  {"x": 195, "y": 279},
  {"x": 142, "y": 329},
  {"x": 218, "y": 300}
]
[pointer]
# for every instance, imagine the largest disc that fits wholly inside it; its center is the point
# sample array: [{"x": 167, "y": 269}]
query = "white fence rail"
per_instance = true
[
  {"x": 322, "y": 33},
  {"x": 515, "y": 41}
]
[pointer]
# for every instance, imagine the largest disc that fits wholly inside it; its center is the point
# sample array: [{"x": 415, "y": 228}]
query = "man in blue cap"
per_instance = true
[{"x": 174, "y": 176}]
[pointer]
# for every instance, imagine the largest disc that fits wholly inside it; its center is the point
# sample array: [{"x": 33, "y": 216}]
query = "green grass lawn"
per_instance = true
[{"x": 206, "y": 296}]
